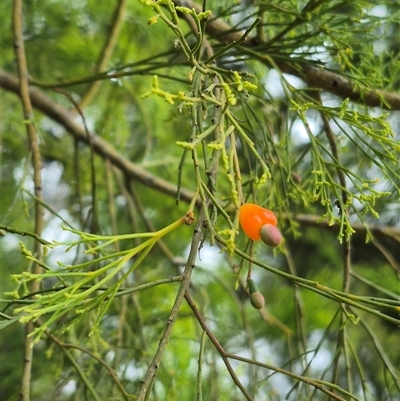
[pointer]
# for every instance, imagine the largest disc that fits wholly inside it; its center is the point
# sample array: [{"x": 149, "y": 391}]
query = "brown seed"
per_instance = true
[{"x": 270, "y": 235}]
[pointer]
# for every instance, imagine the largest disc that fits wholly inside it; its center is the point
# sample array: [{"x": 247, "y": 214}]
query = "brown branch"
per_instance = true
[
  {"x": 217, "y": 346},
  {"x": 7, "y": 229},
  {"x": 112, "y": 373},
  {"x": 131, "y": 170},
  {"x": 22, "y": 88},
  {"x": 151, "y": 373},
  {"x": 64, "y": 349},
  {"x": 101, "y": 147},
  {"x": 318, "y": 384},
  {"x": 340, "y": 86},
  {"x": 314, "y": 77},
  {"x": 379, "y": 232}
]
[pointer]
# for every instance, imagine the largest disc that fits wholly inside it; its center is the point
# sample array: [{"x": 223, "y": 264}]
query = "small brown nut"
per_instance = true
[{"x": 270, "y": 235}]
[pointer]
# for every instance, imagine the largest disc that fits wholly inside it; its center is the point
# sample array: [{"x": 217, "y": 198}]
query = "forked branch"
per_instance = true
[{"x": 314, "y": 77}]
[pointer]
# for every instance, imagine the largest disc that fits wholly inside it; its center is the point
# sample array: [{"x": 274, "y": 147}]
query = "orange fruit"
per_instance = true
[{"x": 252, "y": 217}]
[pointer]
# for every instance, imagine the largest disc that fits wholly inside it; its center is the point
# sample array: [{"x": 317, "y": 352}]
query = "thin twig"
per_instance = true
[
  {"x": 13, "y": 230},
  {"x": 387, "y": 254},
  {"x": 106, "y": 52},
  {"x": 94, "y": 208},
  {"x": 200, "y": 367},
  {"x": 394, "y": 372},
  {"x": 341, "y": 346},
  {"x": 317, "y": 383},
  {"x": 299, "y": 308},
  {"x": 64, "y": 348},
  {"x": 217, "y": 345},
  {"x": 23, "y": 91},
  {"x": 149, "y": 225},
  {"x": 151, "y": 373}
]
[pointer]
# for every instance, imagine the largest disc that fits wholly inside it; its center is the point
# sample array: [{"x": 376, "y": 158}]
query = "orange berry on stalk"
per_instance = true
[{"x": 252, "y": 217}]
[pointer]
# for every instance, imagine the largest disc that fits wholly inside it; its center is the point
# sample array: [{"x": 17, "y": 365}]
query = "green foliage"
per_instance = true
[{"x": 200, "y": 116}]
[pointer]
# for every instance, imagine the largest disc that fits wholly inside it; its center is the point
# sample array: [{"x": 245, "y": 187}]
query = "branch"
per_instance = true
[
  {"x": 101, "y": 147},
  {"x": 378, "y": 232},
  {"x": 217, "y": 346},
  {"x": 318, "y": 384},
  {"x": 111, "y": 372},
  {"x": 151, "y": 373},
  {"x": 7, "y": 229},
  {"x": 314, "y": 77},
  {"x": 22, "y": 88}
]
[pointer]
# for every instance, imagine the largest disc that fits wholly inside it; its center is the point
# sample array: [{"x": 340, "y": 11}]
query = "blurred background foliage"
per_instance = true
[{"x": 299, "y": 329}]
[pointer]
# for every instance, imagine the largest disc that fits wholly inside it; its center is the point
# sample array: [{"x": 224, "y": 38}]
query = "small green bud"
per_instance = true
[
  {"x": 256, "y": 298},
  {"x": 252, "y": 286},
  {"x": 270, "y": 235}
]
